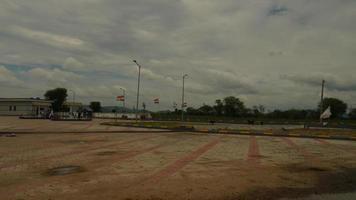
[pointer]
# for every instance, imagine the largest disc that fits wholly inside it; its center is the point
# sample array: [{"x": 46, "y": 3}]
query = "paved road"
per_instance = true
[
  {"x": 172, "y": 166},
  {"x": 14, "y": 124}
]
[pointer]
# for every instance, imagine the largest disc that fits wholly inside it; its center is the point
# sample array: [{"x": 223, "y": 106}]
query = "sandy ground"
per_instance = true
[
  {"x": 248, "y": 126},
  {"x": 158, "y": 165},
  {"x": 13, "y": 124}
]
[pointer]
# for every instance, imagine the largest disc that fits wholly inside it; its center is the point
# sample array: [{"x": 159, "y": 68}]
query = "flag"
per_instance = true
[
  {"x": 120, "y": 98},
  {"x": 156, "y": 101},
  {"x": 184, "y": 104},
  {"x": 326, "y": 114},
  {"x": 175, "y": 105}
]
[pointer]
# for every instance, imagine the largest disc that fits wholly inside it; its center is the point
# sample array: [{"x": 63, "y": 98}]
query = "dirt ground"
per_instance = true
[{"x": 158, "y": 165}]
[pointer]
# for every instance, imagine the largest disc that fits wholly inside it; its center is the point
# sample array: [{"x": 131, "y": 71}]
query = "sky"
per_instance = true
[{"x": 269, "y": 52}]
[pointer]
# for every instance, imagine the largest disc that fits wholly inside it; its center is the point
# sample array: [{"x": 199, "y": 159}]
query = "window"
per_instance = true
[
  {"x": 14, "y": 108},
  {"x": 10, "y": 108}
]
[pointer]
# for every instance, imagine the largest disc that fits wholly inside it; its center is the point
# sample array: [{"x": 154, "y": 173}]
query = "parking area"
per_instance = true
[
  {"x": 159, "y": 165},
  {"x": 14, "y": 124}
]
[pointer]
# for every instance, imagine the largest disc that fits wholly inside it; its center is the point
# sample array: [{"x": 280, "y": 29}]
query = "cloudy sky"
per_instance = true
[{"x": 270, "y": 52}]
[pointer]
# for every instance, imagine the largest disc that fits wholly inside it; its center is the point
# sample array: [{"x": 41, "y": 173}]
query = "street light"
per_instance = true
[
  {"x": 123, "y": 90},
  {"x": 73, "y": 99},
  {"x": 184, "y": 76},
  {"x": 138, "y": 87},
  {"x": 322, "y": 101}
]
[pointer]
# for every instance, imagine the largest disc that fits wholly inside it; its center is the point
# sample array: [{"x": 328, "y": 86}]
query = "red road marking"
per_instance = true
[
  {"x": 343, "y": 148},
  {"x": 182, "y": 162},
  {"x": 302, "y": 151},
  {"x": 88, "y": 126},
  {"x": 83, "y": 151},
  {"x": 253, "y": 155},
  {"x": 136, "y": 153},
  {"x": 322, "y": 141}
]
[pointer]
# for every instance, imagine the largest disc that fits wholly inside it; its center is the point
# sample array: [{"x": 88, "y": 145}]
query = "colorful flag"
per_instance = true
[
  {"x": 120, "y": 98},
  {"x": 156, "y": 101},
  {"x": 326, "y": 114}
]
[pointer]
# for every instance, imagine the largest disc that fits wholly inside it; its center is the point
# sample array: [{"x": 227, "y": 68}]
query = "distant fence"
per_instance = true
[
  {"x": 75, "y": 116},
  {"x": 121, "y": 115}
]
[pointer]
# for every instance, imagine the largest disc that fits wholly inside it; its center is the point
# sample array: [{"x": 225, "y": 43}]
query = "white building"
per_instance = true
[
  {"x": 73, "y": 106},
  {"x": 24, "y": 106}
]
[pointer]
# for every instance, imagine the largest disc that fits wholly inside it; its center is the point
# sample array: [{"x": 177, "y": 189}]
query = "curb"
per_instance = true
[
  {"x": 243, "y": 132},
  {"x": 174, "y": 129},
  {"x": 270, "y": 134}
]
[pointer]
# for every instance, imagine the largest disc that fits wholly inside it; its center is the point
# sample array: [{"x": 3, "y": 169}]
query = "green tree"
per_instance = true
[
  {"x": 258, "y": 111},
  {"x": 191, "y": 111},
  {"x": 58, "y": 96},
  {"x": 337, "y": 106},
  {"x": 219, "y": 107},
  {"x": 95, "y": 106},
  {"x": 206, "y": 110},
  {"x": 234, "y": 107},
  {"x": 352, "y": 114}
]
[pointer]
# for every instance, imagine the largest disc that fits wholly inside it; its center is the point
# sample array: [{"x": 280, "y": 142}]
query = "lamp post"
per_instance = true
[
  {"x": 184, "y": 76},
  {"x": 73, "y": 99},
  {"x": 138, "y": 87},
  {"x": 124, "y": 93},
  {"x": 322, "y": 101}
]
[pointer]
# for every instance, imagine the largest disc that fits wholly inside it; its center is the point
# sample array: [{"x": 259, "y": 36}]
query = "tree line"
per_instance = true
[
  {"x": 228, "y": 107},
  {"x": 58, "y": 96},
  {"x": 233, "y": 107}
]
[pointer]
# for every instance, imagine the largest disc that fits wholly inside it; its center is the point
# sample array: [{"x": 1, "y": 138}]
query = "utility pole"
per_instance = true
[
  {"x": 184, "y": 76},
  {"x": 138, "y": 88},
  {"x": 124, "y": 93},
  {"x": 322, "y": 100},
  {"x": 72, "y": 107}
]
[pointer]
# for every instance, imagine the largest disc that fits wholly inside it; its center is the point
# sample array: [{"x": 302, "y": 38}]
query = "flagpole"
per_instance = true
[
  {"x": 184, "y": 76},
  {"x": 322, "y": 101},
  {"x": 124, "y": 92},
  {"x": 138, "y": 87}
]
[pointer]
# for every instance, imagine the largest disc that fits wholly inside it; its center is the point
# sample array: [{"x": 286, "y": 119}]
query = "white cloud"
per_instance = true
[
  {"x": 7, "y": 77},
  {"x": 227, "y": 47},
  {"x": 72, "y": 64},
  {"x": 51, "y": 39},
  {"x": 54, "y": 75}
]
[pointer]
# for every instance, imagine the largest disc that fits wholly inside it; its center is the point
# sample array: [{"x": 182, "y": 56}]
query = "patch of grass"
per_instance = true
[{"x": 151, "y": 124}]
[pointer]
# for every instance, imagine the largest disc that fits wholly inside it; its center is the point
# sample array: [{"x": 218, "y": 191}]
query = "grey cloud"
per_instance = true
[
  {"x": 343, "y": 84},
  {"x": 8, "y": 78},
  {"x": 227, "y": 47},
  {"x": 278, "y": 10}
]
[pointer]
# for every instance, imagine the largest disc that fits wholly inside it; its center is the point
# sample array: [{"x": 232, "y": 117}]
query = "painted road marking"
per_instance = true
[
  {"x": 182, "y": 162},
  {"x": 343, "y": 148},
  {"x": 322, "y": 141},
  {"x": 294, "y": 134},
  {"x": 88, "y": 126},
  {"x": 133, "y": 154},
  {"x": 253, "y": 155},
  {"x": 247, "y": 132},
  {"x": 81, "y": 151},
  {"x": 307, "y": 156}
]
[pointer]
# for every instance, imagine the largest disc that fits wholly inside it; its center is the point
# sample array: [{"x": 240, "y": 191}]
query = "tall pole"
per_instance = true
[
  {"x": 184, "y": 76},
  {"x": 73, "y": 99},
  {"x": 322, "y": 100},
  {"x": 73, "y": 95},
  {"x": 124, "y": 91},
  {"x": 138, "y": 87}
]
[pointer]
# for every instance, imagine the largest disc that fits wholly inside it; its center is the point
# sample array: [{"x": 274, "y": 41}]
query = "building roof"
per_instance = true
[
  {"x": 33, "y": 100},
  {"x": 71, "y": 103}
]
